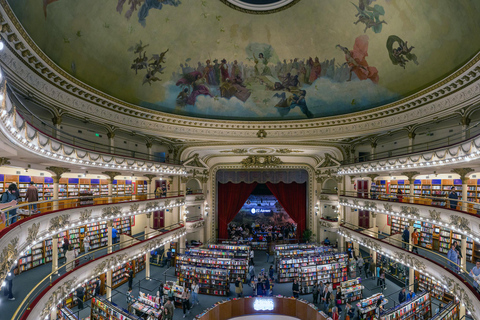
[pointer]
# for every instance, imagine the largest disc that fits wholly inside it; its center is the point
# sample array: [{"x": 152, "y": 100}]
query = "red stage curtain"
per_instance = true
[
  {"x": 231, "y": 197},
  {"x": 293, "y": 198}
]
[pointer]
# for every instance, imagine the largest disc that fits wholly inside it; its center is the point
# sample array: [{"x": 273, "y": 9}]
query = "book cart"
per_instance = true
[
  {"x": 105, "y": 310},
  {"x": 146, "y": 304},
  {"x": 418, "y": 308},
  {"x": 211, "y": 281},
  {"x": 237, "y": 267},
  {"x": 238, "y": 250},
  {"x": 366, "y": 307},
  {"x": 177, "y": 291},
  {"x": 352, "y": 290},
  {"x": 450, "y": 312}
]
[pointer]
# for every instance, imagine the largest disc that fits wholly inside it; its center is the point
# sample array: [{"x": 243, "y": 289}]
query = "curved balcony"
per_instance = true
[
  {"x": 448, "y": 154},
  {"x": 27, "y": 137},
  {"x": 25, "y": 233},
  {"x": 462, "y": 222},
  {"x": 194, "y": 224},
  {"x": 428, "y": 263},
  {"x": 45, "y": 296}
]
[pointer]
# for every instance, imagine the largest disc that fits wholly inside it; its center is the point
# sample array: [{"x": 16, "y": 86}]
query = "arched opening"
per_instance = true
[
  {"x": 329, "y": 186},
  {"x": 193, "y": 186}
]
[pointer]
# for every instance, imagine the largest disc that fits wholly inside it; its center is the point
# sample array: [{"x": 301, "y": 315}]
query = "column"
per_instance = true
[
  {"x": 108, "y": 285},
  {"x": 150, "y": 185},
  {"x": 57, "y": 174},
  {"x": 373, "y": 150},
  {"x": 462, "y": 310},
  {"x": 411, "y": 279},
  {"x": 464, "y": 195},
  {"x": 411, "y": 179},
  {"x": 465, "y": 131},
  {"x": 341, "y": 243},
  {"x": 109, "y": 235},
  {"x": 57, "y": 121},
  {"x": 149, "y": 145},
  {"x": 411, "y": 137},
  {"x": 410, "y": 231},
  {"x": 147, "y": 265},
  {"x": 110, "y": 191},
  {"x": 111, "y": 176},
  {"x": 55, "y": 253},
  {"x": 463, "y": 251},
  {"x": 181, "y": 244},
  {"x": 53, "y": 313},
  {"x": 111, "y": 140}
]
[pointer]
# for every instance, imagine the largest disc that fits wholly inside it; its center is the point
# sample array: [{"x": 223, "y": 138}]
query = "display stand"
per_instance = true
[
  {"x": 366, "y": 307},
  {"x": 352, "y": 290},
  {"x": 177, "y": 292},
  {"x": 103, "y": 309},
  {"x": 146, "y": 304},
  {"x": 416, "y": 309}
]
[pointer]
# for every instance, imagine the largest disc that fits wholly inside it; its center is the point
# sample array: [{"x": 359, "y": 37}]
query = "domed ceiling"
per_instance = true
[{"x": 255, "y": 60}]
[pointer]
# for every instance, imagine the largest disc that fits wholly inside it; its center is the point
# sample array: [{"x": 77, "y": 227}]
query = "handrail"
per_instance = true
[
  {"x": 464, "y": 274},
  {"x": 73, "y": 140},
  {"x": 72, "y": 203},
  {"x": 194, "y": 218},
  {"x": 50, "y": 278},
  {"x": 420, "y": 147},
  {"x": 394, "y": 197}
]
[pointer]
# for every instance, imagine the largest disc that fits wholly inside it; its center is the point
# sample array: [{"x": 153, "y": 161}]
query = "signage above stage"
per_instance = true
[
  {"x": 260, "y": 6},
  {"x": 263, "y": 304},
  {"x": 257, "y": 210}
]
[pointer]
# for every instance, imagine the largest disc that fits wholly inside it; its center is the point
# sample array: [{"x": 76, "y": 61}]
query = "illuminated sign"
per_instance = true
[
  {"x": 253, "y": 210},
  {"x": 263, "y": 304}
]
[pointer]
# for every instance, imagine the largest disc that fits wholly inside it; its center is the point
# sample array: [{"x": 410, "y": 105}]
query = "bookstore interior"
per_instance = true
[{"x": 239, "y": 159}]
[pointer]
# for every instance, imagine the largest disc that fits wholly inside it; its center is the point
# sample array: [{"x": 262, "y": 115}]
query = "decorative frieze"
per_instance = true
[
  {"x": 32, "y": 233},
  {"x": 85, "y": 215},
  {"x": 325, "y": 224},
  {"x": 460, "y": 223},
  {"x": 111, "y": 212},
  {"x": 408, "y": 259},
  {"x": 59, "y": 222}
]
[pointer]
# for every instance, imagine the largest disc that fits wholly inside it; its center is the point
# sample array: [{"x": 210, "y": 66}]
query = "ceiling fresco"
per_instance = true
[{"x": 295, "y": 59}]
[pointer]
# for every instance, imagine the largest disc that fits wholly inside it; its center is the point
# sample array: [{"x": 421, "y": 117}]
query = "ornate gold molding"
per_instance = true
[
  {"x": 111, "y": 175},
  {"x": 462, "y": 172},
  {"x": 58, "y": 171},
  {"x": 59, "y": 222},
  {"x": 261, "y": 161},
  {"x": 85, "y": 215}
]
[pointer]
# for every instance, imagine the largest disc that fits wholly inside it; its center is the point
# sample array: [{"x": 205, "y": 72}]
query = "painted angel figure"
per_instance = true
[{"x": 356, "y": 60}]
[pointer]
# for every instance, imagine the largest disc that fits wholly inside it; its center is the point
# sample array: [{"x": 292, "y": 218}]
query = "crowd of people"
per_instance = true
[{"x": 261, "y": 232}]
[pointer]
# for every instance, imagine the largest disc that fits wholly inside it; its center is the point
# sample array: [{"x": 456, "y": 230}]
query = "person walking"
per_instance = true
[
  {"x": 32, "y": 196},
  {"x": 453, "y": 196},
  {"x": 9, "y": 285},
  {"x": 86, "y": 243},
  {"x": 367, "y": 266},
  {"x": 195, "y": 289},
  {"x": 382, "y": 279},
  {"x": 129, "y": 276},
  {"x": 295, "y": 289},
  {"x": 326, "y": 298},
  {"x": 239, "y": 287},
  {"x": 9, "y": 196},
  {"x": 268, "y": 254},
  {"x": 271, "y": 271},
  {"x": 321, "y": 290},
  {"x": 349, "y": 312},
  {"x": 406, "y": 238},
  {"x": 251, "y": 271},
  {"x": 475, "y": 273},
  {"x": 452, "y": 256},
  {"x": 80, "y": 295},
  {"x": 186, "y": 301},
  {"x": 360, "y": 264},
  {"x": 415, "y": 236}
]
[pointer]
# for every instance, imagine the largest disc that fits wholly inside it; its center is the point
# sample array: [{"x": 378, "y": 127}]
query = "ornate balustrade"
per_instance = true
[
  {"x": 194, "y": 225},
  {"x": 458, "y": 285},
  {"x": 27, "y": 232}
]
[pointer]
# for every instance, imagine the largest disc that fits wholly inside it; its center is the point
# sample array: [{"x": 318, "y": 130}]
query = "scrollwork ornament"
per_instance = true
[
  {"x": 167, "y": 203},
  {"x": 460, "y": 222},
  {"x": 388, "y": 206},
  {"x": 134, "y": 207},
  {"x": 324, "y": 224},
  {"x": 110, "y": 212},
  {"x": 59, "y": 222},
  {"x": 355, "y": 202},
  {"x": 32, "y": 233},
  {"x": 435, "y": 215},
  {"x": 85, "y": 215},
  {"x": 324, "y": 197},
  {"x": 7, "y": 258}
]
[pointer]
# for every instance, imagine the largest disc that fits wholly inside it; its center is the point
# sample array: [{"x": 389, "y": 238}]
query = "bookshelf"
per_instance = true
[
  {"x": 177, "y": 292},
  {"x": 435, "y": 288},
  {"x": 366, "y": 307},
  {"x": 211, "y": 281},
  {"x": 102, "y": 309},
  {"x": 142, "y": 187},
  {"x": 394, "y": 271},
  {"x": 398, "y": 225},
  {"x": 450, "y": 312},
  {"x": 417, "y": 308},
  {"x": 238, "y": 251},
  {"x": 123, "y": 225},
  {"x": 211, "y": 253},
  {"x": 352, "y": 290},
  {"x": 139, "y": 264},
  {"x": 236, "y": 267},
  {"x": 118, "y": 276}
]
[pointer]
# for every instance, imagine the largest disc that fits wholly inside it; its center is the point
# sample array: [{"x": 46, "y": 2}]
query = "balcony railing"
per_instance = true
[
  {"x": 42, "y": 287},
  {"x": 68, "y": 138}
]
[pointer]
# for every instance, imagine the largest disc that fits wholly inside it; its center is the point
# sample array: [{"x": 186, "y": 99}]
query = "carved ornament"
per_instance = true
[
  {"x": 59, "y": 222},
  {"x": 260, "y": 161},
  {"x": 435, "y": 215},
  {"x": 32, "y": 233},
  {"x": 409, "y": 259},
  {"x": 110, "y": 212},
  {"x": 460, "y": 222},
  {"x": 85, "y": 215}
]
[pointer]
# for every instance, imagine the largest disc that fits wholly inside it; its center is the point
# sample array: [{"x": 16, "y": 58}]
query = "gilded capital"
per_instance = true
[
  {"x": 411, "y": 175},
  {"x": 111, "y": 175},
  {"x": 462, "y": 172},
  {"x": 150, "y": 177},
  {"x": 58, "y": 171}
]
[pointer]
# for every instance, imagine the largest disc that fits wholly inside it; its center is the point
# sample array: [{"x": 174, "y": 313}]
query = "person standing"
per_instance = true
[
  {"x": 80, "y": 295},
  {"x": 399, "y": 195},
  {"x": 402, "y": 297},
  {"x": 367, "y": 266},
  {"x": 186, "y": 301},
  {"x": 9, "y": 196},
  {"x": 130, "y": 276},
  {"x": 382, "y": 279},
  {"x": 86, "y": 243},
  {"x": 326, "y": 298},
  {"x": 268, "y": 254},
  {"x": 349, "y": 312},
  {"x": 168, "y": 310},
  {"x": 315, "y": 294},
  {"x": 415, "y": 236},
  {"x": 32, "y": 196},
  {"x": 335, "y": 315},
  {"x": 406, "y": 238},
  {"x": 453, "y": 196},
  {"x": 452, "y": 256},
  {"x": 271, "y": 271},
  {"x": 239, "y": 287},
  {"x": 475, "y": 273},
  {"x": 195, "y": 288},
  {"x": 295, "y": 288},
  {"x": 321, "y": 290},
  {"x": 114, "y": 235}
]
